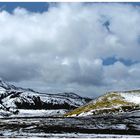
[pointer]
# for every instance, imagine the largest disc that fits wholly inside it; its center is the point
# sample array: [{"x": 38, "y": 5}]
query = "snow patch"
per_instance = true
[{"x": 131, "y": 97}]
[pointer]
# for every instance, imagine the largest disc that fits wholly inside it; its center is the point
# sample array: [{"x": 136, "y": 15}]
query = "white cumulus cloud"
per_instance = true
[{"x": 64, "y": 48}]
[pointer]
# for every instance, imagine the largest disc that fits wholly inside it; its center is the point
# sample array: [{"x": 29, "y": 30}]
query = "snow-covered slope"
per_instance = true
[
  {"x": 110, "y": 103},
  {"x": 14, "y": 98}
]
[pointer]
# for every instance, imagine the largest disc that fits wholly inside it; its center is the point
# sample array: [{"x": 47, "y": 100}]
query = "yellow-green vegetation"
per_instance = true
[{"x": 113, "y": 102}]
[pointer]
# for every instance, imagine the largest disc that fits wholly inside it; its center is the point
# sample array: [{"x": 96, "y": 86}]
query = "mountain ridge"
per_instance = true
[{"x": 13, "y": 98}]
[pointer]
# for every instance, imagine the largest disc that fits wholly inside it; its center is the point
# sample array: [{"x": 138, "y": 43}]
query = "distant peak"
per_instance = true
[
  {"x": 6, "y": 85},
  {"x": 69, "y": 94},
  {"x": 3, "y": 83}
]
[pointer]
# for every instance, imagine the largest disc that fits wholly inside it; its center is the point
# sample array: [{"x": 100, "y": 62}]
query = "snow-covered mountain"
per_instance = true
[
  {"x": 14, "y": 98},
  {"x": 110, "y": 103}
]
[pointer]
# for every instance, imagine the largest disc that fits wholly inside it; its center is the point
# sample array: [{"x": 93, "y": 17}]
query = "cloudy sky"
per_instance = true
[{"x": 86, "y": 48}]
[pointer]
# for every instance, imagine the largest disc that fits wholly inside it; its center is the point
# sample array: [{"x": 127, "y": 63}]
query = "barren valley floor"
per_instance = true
[{"x": 79, "y": 127}]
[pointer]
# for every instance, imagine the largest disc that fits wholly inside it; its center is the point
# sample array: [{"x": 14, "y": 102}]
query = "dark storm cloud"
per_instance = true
[{"x": 13, "y": 71}]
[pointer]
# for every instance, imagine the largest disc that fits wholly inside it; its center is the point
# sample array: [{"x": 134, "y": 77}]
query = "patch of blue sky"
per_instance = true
[
  {"x": 30, "y": 6},
  {"x": 112, "y": 60}
]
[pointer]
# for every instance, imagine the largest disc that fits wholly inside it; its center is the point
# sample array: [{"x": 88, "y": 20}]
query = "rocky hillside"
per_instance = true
[
  {"x": 13, "y": 98},
  {"x": 110, "y": 103}
]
